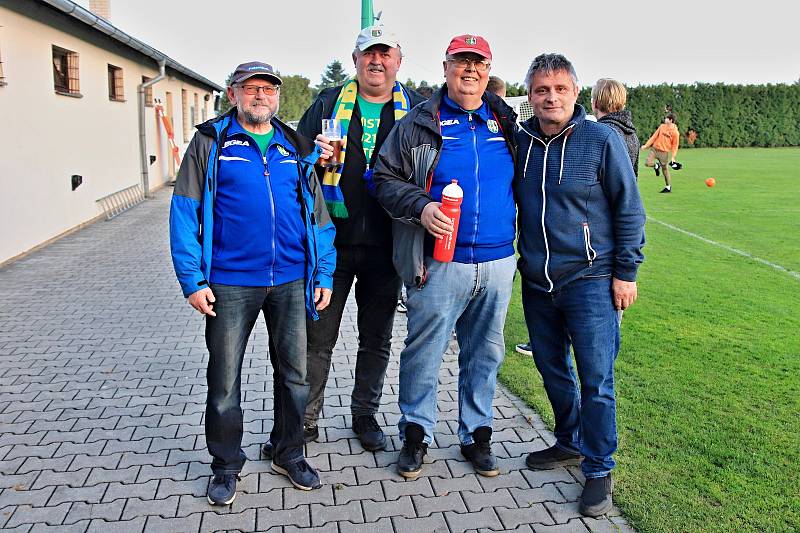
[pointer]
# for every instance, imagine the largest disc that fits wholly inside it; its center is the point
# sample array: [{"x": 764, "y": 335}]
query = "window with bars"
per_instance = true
[
  {"x": 116, "y": 84},
  {"x": 148, "y": 92},
  {"x": 66, "y": 78}
]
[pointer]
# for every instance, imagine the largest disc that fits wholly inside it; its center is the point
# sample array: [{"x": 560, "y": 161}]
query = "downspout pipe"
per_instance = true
[{"x": 143, "y": 127}]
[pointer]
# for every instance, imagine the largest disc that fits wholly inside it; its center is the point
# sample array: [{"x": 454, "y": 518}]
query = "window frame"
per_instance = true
[
  {"x": 66, "y": 83},
  {"x": 116, "y": 83}
]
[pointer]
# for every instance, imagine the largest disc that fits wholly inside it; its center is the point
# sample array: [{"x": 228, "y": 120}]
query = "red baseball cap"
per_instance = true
[{"x": 470, "y": 43}]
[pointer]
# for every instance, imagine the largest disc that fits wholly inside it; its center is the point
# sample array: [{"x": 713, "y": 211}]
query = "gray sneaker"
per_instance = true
[{"x": 524, "y": 349}]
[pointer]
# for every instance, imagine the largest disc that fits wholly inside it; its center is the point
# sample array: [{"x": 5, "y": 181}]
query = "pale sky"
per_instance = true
[{"x": 677, "y": 41}]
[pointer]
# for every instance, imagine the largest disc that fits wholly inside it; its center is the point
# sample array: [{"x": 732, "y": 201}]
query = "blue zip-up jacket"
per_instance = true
[
  {"x": 259, "y": 236},
  {"x": 474, "y": 152},
  {"x": 580, "y": 213},
  {"x": 193, "y": 207}
]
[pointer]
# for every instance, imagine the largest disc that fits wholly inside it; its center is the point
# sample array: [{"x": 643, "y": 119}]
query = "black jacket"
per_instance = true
[
  {"x": 623, "y": 123},
  {"x": 407, "y": 158},
  {"x": 367, "y": 224}
]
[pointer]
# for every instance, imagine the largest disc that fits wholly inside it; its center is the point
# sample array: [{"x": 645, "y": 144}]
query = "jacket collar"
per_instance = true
[
  {"x": 306, "y": 149},
  {"x": 493, "y": 104}
]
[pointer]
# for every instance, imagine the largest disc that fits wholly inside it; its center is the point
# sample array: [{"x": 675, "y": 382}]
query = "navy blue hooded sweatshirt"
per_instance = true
[{"x": 580, "y": 213}]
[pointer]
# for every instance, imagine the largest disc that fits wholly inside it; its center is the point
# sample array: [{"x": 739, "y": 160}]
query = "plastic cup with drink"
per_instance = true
[{"x": 332, "y": 129}]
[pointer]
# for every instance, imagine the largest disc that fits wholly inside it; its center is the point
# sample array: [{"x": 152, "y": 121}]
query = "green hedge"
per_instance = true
[{"x": 722, "y": 115}]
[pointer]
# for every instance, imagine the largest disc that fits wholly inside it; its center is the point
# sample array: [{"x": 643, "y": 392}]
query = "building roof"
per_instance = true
[{"x": 102, "y": 25}]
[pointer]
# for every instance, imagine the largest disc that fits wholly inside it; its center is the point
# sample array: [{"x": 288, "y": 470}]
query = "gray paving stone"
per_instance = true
[
  {"x": 323, "y": 514},
  {"x": 135, "y": 507},
  {"x": 464, "y": 521},
  {"x": 143, "y": 491},
  {"x": 384, "y": 524},
  {"x": 512, "y": 517},
  {"x": 418, "y": 487},
  {"x": 83, "y": 494},
  {"x": 245, "y": 521},
  {"x": 445, "y": 486},
  {"x": 299, "y": 516},
  {"x": 25, "y": 514},
  {"x": 480, "y": 501},
  {"x": 434, "y": 523},
  {"x": 158, "y": 524},
  {"x": 36, "y": 498},
  {"x": 573, "y": 526},
  {"x": 437, "y": 504},
  {"x": 81, "y": 511},
  {"x": 374, "y": 510}
]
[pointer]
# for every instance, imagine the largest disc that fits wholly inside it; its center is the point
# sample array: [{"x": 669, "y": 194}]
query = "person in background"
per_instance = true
[
  {"x": 608, "y": 104},
  {"x": 663, "y": 146}
]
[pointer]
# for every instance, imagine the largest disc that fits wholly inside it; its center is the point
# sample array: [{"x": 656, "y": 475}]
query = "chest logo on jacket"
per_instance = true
[{"x": 492, "y": 125}]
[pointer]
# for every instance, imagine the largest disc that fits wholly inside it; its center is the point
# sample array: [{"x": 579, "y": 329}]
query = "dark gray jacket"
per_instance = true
[
  {"x": 623, "y": 123},
  {"x": 405, "y": 162}
]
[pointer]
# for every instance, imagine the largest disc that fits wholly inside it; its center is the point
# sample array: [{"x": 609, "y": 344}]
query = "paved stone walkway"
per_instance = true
[{"x": 102, "y": 390}]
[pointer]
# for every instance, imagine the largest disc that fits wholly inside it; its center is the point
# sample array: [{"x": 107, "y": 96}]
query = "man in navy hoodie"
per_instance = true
[
  {"x": 581, "y": 233},
  {"x": 250, "y": 234},
  {"x": 467, "y": 134}
]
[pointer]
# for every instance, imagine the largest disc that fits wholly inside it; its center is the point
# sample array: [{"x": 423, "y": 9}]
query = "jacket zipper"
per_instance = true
[
  {"x": 274, "y": 221},
  {"x": 587, "y": 244},
  {"x": 544, "y": 198},
  {"x": 477, "y": 189}
]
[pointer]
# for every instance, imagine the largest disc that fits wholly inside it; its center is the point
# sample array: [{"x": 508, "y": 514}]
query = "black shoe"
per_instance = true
[
  {"x": 551, "y": 457},
  {"x": 222, "y": 489},
  {"x": 674, "y": 165},
  {"x": 666, "y": 189},
  {"x": 301, "y": 474},
  {"x": 479, "y": 453},
  {"x": 310, "y": 433},
  {"x": 596, "y": 497},
  {"x": 409, "y": 463},
  {"x": 657, "y": 168},
  {"x": 369, "y": 432}
]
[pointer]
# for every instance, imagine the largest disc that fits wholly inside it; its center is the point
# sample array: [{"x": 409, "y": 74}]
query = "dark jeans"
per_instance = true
[
  {"x": 237, "y": 309},
  {"x": 377, "y": 290},
  {"x": 580, "y": 315}
]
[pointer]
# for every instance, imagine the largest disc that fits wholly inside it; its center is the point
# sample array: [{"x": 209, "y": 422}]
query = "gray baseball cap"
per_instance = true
[
  {"x": 377, "y": 34},
  {"x": 245, "y": 71}
]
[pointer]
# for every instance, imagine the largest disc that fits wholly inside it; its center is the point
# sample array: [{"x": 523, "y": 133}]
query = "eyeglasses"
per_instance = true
[
  {"x": 481, "y": 65},
  {"x": 269, "y": 90}
]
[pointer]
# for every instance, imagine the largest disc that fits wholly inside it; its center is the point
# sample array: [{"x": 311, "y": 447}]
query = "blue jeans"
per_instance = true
[
  {"x": 377, "y": 289},
  {"x": 473, "y": 299},
  {"x": 237, "y": 309},
  {"x": 581, "y": 315}
]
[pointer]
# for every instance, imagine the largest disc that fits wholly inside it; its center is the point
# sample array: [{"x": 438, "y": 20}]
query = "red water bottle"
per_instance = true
[{"x": 444, "y": 248}]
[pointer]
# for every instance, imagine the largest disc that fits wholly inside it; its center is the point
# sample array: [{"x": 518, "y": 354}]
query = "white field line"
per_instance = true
[{"x": 795, "y": 275}]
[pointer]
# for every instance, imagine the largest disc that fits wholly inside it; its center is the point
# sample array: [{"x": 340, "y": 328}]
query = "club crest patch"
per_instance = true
[
  {"x": 282, "y": 151},
  {"x": 376, "y": 32},
  {"x": 492, "y": 125},
  {"x": 470, "y": 40}
]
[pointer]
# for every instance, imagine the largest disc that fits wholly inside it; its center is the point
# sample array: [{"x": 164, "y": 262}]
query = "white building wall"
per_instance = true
[{"x": 46, "y": 137}]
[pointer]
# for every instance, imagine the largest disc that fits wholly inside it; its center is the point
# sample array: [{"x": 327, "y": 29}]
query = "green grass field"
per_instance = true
[{"x": 709, "y": 371}]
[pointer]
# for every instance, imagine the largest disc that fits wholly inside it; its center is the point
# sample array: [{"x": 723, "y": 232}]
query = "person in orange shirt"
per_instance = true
[{"x": 663, "y": 146}]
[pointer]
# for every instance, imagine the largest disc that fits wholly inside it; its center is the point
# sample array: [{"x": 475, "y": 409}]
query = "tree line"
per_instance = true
[{"x": 708, "y": 115}]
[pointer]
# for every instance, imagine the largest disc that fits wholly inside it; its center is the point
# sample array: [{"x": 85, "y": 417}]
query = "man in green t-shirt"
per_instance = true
[{"x": 372, "y": 101}]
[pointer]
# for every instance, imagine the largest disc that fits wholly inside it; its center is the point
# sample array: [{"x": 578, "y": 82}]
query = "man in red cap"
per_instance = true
[{"x": 467, "y": 134}]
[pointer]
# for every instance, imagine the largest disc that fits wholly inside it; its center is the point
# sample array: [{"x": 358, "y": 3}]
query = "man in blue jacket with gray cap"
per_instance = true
[
  {"x": 581, "y": 233},
  {"x": 250, "y": 234}
]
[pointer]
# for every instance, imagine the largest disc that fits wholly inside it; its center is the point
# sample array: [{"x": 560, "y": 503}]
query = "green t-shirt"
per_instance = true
[
  {"x": 262, "y": 139},
  {"x": 370, "y": 122}
]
